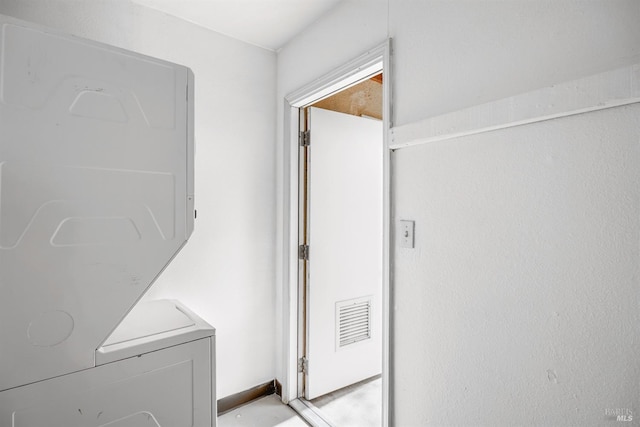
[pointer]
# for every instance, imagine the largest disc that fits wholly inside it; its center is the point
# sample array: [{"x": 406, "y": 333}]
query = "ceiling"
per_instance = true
[{"x": 266, "y": 23}]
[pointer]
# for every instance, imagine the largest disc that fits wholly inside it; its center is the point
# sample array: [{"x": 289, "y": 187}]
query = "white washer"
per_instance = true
[
  {"x": 156, "y": 370},
  {"x": 96, "y": 198}
]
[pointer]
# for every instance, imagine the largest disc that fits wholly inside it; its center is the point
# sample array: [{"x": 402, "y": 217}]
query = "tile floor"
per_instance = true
[{"x": 356, "y": 406}]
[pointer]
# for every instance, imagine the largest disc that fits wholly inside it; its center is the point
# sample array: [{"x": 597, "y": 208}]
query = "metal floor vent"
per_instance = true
[{"x": 353, "y": 321}]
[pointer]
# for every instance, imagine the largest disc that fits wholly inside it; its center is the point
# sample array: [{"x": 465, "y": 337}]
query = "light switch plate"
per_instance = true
[{"x": 406, "y": 234}]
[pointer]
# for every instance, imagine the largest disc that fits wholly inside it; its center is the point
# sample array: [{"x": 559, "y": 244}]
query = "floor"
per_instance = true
[
  {"x": 358, "y": 405},
  {"x": 266, "y": 412}
]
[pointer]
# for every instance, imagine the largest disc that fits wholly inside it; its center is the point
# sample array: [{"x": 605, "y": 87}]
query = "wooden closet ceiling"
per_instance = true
[{"x": 362, "y": 99}]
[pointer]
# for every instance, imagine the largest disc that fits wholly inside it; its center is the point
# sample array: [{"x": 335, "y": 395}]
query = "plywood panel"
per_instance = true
[{"x": 363, "y": 99}]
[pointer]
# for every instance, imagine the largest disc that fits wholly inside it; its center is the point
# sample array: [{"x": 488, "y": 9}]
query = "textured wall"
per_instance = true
[
  {"x": 519, "y": 304},
  {"x": 454, "y": 54},
  {"x": 226, "y": 271}
]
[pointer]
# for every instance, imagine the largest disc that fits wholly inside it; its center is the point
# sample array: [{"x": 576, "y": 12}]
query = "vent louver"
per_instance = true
[{"x": 353, "y": 321}]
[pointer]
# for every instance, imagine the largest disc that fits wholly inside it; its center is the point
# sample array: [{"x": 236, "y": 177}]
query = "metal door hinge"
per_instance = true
[
  {"x": 305, "y": 138},
  {"x": 303, "y": 252},
  {"x": 303, "y": 365}
]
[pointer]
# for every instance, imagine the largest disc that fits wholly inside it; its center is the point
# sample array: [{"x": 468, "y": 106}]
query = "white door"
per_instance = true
[{"x": 344, "y": 288}]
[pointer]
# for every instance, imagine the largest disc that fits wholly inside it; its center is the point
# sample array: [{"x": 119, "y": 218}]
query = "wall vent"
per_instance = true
[{"x": 353, "y": 321}]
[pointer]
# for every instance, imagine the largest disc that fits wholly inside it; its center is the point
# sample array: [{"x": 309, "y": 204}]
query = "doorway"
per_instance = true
[{"x": 344, "y": 90}]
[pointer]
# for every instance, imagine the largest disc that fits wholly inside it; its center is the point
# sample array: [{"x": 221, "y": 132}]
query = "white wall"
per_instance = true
[
  {"x": 453, "y": 54},
  {"x": 226, "y": 271},
  {"x": 518, "y": 305},
  {"x": 483, "y": 196}
]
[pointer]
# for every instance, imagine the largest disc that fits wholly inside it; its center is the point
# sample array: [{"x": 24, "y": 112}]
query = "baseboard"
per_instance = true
[{"x": 233, "y": 401}]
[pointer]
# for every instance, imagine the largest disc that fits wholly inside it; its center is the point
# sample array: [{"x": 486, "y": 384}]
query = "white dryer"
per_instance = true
[{"x": 96, "y": 198}]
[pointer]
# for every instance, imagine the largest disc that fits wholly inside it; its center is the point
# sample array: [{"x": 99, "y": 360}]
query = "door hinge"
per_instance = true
[
  {"x": 303, "y": 252},
  {"x": 303, "y": 365},
  {"x": 304, "y": 137}
]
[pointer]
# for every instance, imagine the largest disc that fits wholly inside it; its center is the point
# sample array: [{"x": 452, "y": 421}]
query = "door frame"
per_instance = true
[{"x": 374, "y": 60}]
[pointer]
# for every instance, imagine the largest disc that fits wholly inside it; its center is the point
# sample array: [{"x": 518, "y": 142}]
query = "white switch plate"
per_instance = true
[{"x": 406, "y": 234}]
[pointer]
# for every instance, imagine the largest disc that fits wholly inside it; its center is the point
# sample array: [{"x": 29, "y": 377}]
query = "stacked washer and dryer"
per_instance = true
[{"x": 96, "y": 198}]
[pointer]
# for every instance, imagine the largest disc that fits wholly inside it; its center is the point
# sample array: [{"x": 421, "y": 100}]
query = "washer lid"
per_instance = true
[
  {"x": 150, "y": 318},
  {"x": 151, "y": 326}
]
